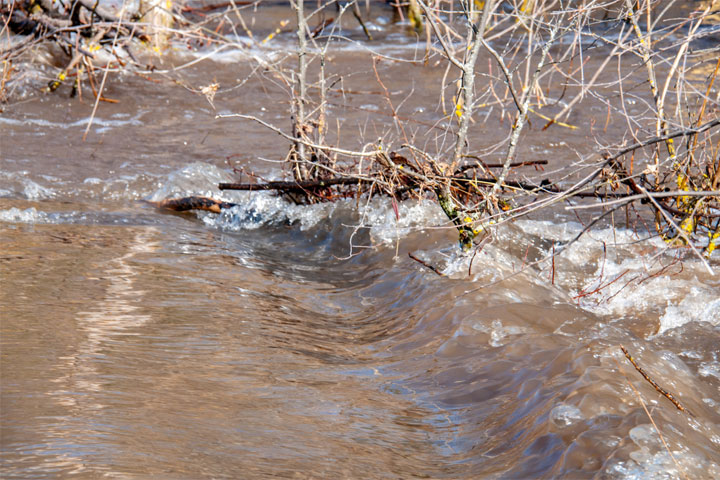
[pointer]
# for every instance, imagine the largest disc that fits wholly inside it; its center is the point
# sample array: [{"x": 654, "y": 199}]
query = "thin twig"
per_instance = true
[
  {"x": 105, "y": 74},
  {"x": 657, "y": 387},
  {"x": 341, "y": 151},
  {"x": 632, "y": 198},
  {"x": 657, "y": 429},
  {"x": 425, "y": 264}
]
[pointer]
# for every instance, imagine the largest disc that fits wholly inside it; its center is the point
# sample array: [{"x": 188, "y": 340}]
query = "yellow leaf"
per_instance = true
[{"x": 458, "y": 106}]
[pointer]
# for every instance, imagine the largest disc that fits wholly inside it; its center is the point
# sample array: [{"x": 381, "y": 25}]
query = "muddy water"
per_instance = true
[{"x": 270, "y": 342}]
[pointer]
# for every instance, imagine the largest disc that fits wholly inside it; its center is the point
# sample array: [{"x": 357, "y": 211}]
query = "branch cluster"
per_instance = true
[{"x": 528, "y": 64}]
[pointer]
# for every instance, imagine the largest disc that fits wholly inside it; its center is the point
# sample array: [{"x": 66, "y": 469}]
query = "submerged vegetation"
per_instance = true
[{"x": 664, "y": 172}]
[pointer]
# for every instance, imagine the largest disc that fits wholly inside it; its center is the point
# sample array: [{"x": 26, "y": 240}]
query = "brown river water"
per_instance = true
[{"x": 277, "y": 340}]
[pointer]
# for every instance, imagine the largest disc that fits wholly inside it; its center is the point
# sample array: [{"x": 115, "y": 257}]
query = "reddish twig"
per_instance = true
[
  {"x": 425, "y": 264},
  {"x": 585, "y": 294}
]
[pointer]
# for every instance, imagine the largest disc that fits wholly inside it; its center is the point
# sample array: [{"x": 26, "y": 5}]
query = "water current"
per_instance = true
[{"x": 276, "y": 340}]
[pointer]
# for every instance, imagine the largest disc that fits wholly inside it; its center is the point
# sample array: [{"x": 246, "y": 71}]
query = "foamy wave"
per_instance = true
[
  {"x": 261, "y": 209},
  {"x": 700, "y": 304},
  {"x": 195, "y": 179},
  {"x": 386, "y": 225},
  {"x": 653, "y": 460},
  {"x": 19, "y": 185},
  {"x": 29, "y": 215},
  {"x": 242, "y": 49},
  {"x": 607, "y": 271},
  {"x": 610, "y": 273},
  {"x": 255, "y": 209},
  {"x": 99, "y": 124}
]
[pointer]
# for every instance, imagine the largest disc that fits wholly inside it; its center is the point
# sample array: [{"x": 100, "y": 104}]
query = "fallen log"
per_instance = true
[{"x": 193, "y": 203}]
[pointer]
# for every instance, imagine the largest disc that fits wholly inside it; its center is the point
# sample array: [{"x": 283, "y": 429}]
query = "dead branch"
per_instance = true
[
  {"x": 284, "y": 186},
  {"x": 193, "y": 203}
]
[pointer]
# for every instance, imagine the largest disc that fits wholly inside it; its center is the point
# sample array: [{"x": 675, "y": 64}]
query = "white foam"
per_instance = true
[
  {"x": 627, "y": 276},
  {"x": 255, "y": 209},
  {"x": 240, "y": 48},
  {"x": 195, "y": 179},
  {"x": 20, "y": 185},
  {"x": 29, "y": 215},
  {"x": 500, "y": 333},
  {"x": 710, "y": 369},
  {"x": 565, "y": 415},
  {"x": 35, "y": 191},
  {"x": 262, "y": 208},
  {"x": 98, "y": 123},
  {"x": 386, "y": 226},
  {"x": 658, "y": 466},
  {"x": 700, "y": 304}
]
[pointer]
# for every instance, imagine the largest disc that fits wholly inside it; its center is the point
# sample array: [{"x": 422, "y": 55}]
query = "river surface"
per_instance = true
[{"x": 277, "y": 340}]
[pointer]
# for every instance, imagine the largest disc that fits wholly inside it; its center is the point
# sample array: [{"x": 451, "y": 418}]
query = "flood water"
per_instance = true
[{"x": 277, "y": 340}]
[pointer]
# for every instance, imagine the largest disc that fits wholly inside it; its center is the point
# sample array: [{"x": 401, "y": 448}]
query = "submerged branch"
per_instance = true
[
  {"x": 657, "y": 387},
  {"x": 193, "y": 203},
  {"x": 426, "y": 265}
]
